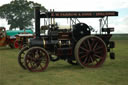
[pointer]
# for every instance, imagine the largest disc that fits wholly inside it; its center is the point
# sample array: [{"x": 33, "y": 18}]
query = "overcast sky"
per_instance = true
[{"x": 120, "y": 23}]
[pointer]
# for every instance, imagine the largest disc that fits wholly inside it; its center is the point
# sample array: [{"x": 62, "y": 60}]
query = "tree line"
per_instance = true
[{"x": 19, "y": 13}]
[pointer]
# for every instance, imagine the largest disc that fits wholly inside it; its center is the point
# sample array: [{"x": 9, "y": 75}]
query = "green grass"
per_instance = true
[
  {"x": 120, "y": 36},
  {"x": 112, "y": 72}
]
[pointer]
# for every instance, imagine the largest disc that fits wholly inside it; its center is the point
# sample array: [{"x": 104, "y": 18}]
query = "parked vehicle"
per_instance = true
[
  {"x": 8, "y": 37},
  {"x": 77, "y": 45}
]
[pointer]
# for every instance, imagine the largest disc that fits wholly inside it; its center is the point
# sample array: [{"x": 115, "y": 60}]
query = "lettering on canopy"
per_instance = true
[
  {"x": 83, "y": 14},
  {"x": 93, "y": 14},
  {"x": 79, "y": 14}
]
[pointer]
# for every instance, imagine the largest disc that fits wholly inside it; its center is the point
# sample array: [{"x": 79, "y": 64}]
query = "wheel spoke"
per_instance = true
[
  {"x": 85, "y": 60},
  {"x": 98, "y": 56},
  {"x": 95, "y": 59},
  {"x": 83, "y": 56},
  {"x": 84, "y": 49},
  {"x": 93, "y": 40},
  {"x": 89, "y": 45},
  {"x": 85, "y": 45},
  {"x": 91, "y": 59},
  {"x": 98, "y": 48},
  {"x": 95, "y": 45}
]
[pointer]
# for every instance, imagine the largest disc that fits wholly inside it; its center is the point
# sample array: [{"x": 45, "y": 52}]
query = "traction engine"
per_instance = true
[{"x": 77, "y": 46}]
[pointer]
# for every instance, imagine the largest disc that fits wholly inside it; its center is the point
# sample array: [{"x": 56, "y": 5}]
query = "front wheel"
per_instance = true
[
  {"x": 90, "y": 51},
  {"x": 21, "y": 56},
  {"x": 36, "y": 59}
]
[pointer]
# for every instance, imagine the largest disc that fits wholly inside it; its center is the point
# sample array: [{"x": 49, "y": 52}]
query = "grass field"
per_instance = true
[
  {"x": 113, "y": 72},
  {"x": 120, "y": 36}
]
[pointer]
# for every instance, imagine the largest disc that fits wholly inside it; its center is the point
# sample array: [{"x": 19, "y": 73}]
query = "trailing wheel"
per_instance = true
[
  {"x": 36, "y": 59},
  {"x": 21, "y": 56},
  {"x": 90, "y": 51}
]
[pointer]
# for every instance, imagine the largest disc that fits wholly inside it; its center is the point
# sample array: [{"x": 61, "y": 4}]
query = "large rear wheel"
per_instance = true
[{"x": 90, "y": 51}]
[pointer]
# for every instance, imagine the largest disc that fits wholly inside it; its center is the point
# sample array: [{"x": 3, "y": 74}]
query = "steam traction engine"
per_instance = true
[{"x": 76, "y": 45}]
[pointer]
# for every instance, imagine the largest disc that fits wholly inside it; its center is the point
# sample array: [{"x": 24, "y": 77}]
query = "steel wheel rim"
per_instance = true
[
  {"x": 91, "y": 52},
  {"x": 36, "y": 59},
  {"x": 21, "y": 56}
]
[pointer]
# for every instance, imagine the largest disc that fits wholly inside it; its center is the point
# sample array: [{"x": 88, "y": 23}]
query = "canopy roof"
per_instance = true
[
  {"x": 78, "y": 14},
  {"x": 15, "y": 32}
]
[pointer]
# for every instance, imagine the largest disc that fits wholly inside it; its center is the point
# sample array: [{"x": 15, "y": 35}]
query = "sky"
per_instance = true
[{"x": 120, "y": 23}]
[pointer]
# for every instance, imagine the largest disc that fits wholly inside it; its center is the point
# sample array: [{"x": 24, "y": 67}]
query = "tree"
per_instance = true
[{"x": 19, "y": 13}]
